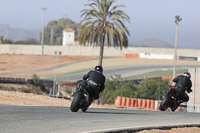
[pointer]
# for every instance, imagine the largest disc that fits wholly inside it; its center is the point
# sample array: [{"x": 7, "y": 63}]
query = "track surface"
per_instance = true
[
  {"x": 124, "y": 71},
  {"x": 38, "y": 119}
]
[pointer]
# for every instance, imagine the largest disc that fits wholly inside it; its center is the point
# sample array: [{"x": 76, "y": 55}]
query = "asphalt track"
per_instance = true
[
  {"x": 40, "y": 119},
  {"x": 124, "y": 71}
]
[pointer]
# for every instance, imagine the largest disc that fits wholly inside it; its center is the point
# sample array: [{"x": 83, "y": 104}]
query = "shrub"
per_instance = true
[
  {"x": 37, "y": 82},
  {"x": 147, "y": 89}
]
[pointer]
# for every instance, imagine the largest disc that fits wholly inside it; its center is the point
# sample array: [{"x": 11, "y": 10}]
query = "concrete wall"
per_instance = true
[
  {"x": 65, "y": 50},
  {"x": 169, "y": 51},
  {"x": 145, "y": 52},
  {"x": 156, "y": 56},
  {"x": 193, "y": 104}
]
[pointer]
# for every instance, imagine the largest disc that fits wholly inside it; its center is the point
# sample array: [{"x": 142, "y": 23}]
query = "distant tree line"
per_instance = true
[
  {"x": 146, "y": 89},
  {"x": 53, "y": 32},
  {"x": 27, "y": 41}
]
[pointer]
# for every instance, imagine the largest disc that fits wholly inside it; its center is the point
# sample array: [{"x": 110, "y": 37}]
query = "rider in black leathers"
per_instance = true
[
  {"x": 183, "y": 83},
  {"x": 95, "y": 80}
]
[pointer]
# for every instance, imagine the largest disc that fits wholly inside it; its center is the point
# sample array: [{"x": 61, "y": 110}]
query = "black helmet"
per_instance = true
[
  {"x": 98, "y": 68},
  {"x": 187, "y": 74}
]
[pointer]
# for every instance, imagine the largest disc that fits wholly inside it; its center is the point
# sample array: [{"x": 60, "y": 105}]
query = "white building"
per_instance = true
[{"x": 68, "y": 37}]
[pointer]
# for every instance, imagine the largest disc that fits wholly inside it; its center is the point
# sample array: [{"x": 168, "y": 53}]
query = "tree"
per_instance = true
[
  {"x": 54, "y": 30},
  {"x": 153, "y": 88},
  {"x": 147, "y": 89},
  {"x": 59, "y": 40},
  {"x": 36, "y": 81},
  {"x": 7, "y": 41},
  {"x": 28, "y": 41},
  {"x": 115, "y": 86},
  {"x": 103, "y": 22}
]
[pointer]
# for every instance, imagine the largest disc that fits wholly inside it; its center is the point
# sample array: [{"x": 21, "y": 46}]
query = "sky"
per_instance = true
[{"x": 150, "y": 19}]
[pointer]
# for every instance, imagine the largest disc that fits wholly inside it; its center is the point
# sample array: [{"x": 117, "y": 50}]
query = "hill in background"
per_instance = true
[
  {"x": 17, "y": 34},
  {"x": 53, "y": 29},
  {"x": 152, "y": 43}
]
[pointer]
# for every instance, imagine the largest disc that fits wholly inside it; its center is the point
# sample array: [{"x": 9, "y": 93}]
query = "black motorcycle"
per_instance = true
[
  {"x": 170, "y": 100},
  {"x": 81, "y": 99}
]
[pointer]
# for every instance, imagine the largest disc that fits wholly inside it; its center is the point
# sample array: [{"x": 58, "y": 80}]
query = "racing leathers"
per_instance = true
[
  {"x": 183, "y": 84},
  {"x": 95, "y": 80}
]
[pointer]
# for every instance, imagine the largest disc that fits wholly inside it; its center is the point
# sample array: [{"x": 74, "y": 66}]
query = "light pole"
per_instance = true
[
  {"x": 55, "y": 75},
  {"x": 7, "y": 29},
  {"x": 43, "y": 23},
  {"x": 178, "y": 19}
]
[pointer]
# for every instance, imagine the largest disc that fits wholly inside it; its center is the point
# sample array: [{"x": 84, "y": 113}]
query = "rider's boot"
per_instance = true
[
  {"x": 178, "y": 102},
  {"x": 176, "y": 105}
]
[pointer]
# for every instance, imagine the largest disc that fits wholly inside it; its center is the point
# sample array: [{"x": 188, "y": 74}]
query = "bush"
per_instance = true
[
  {"x": 115, "y": 86},
  {"x": 7, "y": 41},
  {"x": 153, "y": 88},
  {"x": 37, "y": 82},
  {"x": 147, "y": 89}
]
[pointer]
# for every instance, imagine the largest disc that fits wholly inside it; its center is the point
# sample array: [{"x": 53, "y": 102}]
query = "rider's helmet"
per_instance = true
[
  {"x": 187, "y": 74},
  {"x": 98, "y": 68}
]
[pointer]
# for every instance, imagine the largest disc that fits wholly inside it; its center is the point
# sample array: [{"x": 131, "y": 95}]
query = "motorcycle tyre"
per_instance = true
[
  {"x": 174, "y": 107},
  {"x": 75, "y": 105},
  {"x": 84, "y": 109},
  {"x": 163, "y": 105}
]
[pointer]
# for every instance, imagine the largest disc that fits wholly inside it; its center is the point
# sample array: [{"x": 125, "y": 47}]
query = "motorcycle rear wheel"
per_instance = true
[
  {"x": 164, "y": 104},
  {"x": 75, "y": 105}
]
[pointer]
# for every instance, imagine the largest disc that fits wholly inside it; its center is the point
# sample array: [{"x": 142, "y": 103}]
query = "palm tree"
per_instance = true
[{"x": 103, "y": 22}]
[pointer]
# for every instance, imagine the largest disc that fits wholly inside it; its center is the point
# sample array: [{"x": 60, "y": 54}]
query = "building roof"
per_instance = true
[{"x": 68, "y": 30}]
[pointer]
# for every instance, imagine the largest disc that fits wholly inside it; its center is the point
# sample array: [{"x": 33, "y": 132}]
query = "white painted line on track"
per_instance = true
[{"x": 138, "y": 127}]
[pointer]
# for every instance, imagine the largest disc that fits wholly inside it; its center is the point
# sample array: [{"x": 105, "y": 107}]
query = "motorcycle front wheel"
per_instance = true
[
  {"x": 164, "y": 104},
  {"x": 84, "y": 109},
  {"x": 75, "y": 105}
]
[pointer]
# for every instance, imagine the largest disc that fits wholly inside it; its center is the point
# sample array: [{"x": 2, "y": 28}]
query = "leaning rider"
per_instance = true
[
  {"x": 95, "y": 80},
  {"x": 183, "y": 83}
]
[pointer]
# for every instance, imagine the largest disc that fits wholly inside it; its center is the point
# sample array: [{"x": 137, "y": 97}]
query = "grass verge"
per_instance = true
[{"x": 158, "y": 73}]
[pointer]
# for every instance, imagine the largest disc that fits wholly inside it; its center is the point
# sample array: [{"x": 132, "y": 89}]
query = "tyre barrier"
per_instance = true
[
  {"x": 136, "y": 103},
  {"x": 131, "y": 55},
  {"x": 123, "y": 101},
  {"x": 133, "y": 102},
  {"x": 139, "y": 103},
  {"x": 118, "y": 101},
  {"x": 152, "y": 104},
  {"x": 11, "y": 80},
  {"x": 148, "y": 102},
  {"x": 128, "y": 102}
]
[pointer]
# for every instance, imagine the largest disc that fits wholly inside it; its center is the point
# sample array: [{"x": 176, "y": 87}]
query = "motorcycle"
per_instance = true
[
  {"x": 80, "y": 99},
  {"x": 170, "y": 100}
]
